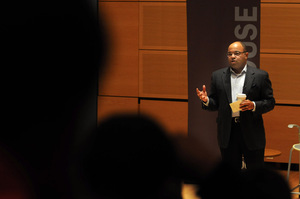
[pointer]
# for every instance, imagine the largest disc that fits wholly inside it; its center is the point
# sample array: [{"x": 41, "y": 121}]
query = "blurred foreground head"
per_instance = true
[
  {"x": 51, "y": 54},
  {"x": 130, "y": 156}
]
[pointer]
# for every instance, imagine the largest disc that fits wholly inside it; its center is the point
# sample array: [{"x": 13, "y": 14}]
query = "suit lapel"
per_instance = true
[
  {"x": 227, "y": 83},
  {"x": 248, "y": 80}
]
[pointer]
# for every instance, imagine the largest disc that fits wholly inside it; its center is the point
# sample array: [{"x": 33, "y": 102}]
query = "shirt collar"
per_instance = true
[{"x": 243, "y": 71}]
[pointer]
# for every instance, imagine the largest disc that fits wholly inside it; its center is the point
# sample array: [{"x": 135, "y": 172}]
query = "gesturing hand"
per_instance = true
[{"x": 202, "y": 94}]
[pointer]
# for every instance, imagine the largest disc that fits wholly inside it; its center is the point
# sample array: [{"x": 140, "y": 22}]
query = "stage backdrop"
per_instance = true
[{"x": 212, "y": 26}]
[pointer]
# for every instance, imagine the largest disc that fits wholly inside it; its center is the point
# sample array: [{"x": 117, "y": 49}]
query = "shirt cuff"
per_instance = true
[
  {"x": 253, "y": 110},
  {"x": 206, "y": 103}
]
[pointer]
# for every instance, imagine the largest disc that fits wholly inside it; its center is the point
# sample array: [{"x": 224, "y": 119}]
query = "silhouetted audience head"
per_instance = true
[
  {"x": 51, "y": 54},
  {"x": 262, "y": 184},
  {"x": 226, "y": 182},
  {"x": 130, "y": 156}
]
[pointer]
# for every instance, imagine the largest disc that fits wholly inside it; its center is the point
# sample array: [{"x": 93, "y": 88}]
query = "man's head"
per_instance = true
[{"x": 237, "y": 56}]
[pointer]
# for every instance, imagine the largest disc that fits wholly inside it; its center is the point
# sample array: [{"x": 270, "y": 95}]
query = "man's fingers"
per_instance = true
[
  {"x": 202, "y": 94},
  {"x": 198, "y": 92},
  {"x": 204, "y": 88},
  {"x": 246, "y": 105}
]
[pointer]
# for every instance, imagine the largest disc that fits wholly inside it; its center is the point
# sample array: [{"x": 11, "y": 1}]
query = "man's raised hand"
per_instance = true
[{"x": 202, "y": 94}]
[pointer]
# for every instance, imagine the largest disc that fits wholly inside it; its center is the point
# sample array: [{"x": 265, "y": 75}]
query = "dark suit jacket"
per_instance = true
[{"x": 258, "y": 88}]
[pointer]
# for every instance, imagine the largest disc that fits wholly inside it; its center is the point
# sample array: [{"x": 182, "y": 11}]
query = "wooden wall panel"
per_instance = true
[
  {"x": 280, "y": 32},
  {"x": 284, "y": 71},
  {"x": 163, "y": 25},
  {"x": 163, "y": 74},
  {"x": 278, "y": 135},
  {"x": 108, "y": 106},
  {"x": 171, "y": 114},
  {"x": 121, "y": 76}
]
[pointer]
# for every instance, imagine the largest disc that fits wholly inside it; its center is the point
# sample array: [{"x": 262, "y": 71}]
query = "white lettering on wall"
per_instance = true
[
  {"x": 245, "y": 16},
  {"x": 248, "y": 32},
  {"x": 245, "y": 31}
]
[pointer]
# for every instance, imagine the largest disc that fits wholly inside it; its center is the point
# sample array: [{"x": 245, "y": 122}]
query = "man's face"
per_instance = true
[{"x": 237, "y": 58}]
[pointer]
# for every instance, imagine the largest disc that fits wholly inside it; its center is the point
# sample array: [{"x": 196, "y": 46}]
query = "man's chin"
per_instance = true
[{"x": 233, "y": 65}]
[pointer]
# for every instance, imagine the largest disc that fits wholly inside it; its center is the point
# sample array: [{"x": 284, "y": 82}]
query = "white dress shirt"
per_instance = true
[{"x": 237, "y": 85}]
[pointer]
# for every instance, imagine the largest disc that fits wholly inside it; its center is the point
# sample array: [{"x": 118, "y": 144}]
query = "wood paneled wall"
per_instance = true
[
  {"x": 163, "y": 26},
  {"x": 122, "y": 22},
  {"x": 147, "y": 67},
  {"x": 280, "y": 56},
  {"x": 163, "y": 74}
]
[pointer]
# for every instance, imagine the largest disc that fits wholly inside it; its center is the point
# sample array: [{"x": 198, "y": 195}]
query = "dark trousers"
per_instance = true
[{"x": 232, "y": 155}]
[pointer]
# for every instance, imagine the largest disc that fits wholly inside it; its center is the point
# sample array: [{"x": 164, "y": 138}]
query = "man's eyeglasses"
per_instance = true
[{"x": 236, "y": 53}]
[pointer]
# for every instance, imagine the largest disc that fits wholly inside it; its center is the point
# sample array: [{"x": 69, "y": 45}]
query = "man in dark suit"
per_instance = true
[{"x": 240, "y": 133}]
